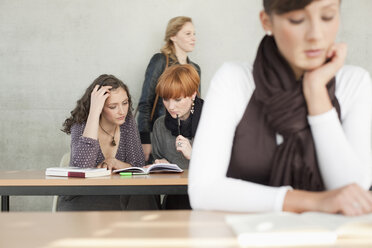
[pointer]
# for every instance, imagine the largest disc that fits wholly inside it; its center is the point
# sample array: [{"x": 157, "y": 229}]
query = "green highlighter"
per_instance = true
[
  {"x": 125, "y": 173},
  {"x": 131, "y": 173}
]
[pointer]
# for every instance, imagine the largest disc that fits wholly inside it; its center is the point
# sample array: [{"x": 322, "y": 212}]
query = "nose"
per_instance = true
[
  {"x": 193, "y": 37},
  {"x": 314, "y": 30},
  {"x": 121, "y": 109},
  {"x": 172, "y": 105}
]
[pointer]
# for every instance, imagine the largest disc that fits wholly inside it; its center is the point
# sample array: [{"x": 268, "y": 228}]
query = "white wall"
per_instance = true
[{"x": 50, "y": 51}]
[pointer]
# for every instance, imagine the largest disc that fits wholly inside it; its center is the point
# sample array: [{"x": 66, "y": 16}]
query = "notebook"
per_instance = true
[
  {"x": 154, "y": 168},
  {"x": 77, "y": 172}
]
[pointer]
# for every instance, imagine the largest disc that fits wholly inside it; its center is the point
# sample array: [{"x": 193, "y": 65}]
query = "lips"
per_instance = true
[
  {"x": 121, "y": 118},
  {"x": 313, "y": 53}
]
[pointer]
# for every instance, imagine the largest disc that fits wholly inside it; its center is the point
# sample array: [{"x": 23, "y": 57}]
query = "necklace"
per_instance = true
[{"x": 113, "y": 143}]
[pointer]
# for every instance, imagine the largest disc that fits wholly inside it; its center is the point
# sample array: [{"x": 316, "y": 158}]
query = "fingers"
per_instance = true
[
  {"x": 182, "y": 142},
  {"x": 361, "y": 200},
  {"x": 353, "y": 200},
  {"x": 161, "y": 161},
  {"x": 102, "y": 90},
  {"x": 336, "y": 55}
]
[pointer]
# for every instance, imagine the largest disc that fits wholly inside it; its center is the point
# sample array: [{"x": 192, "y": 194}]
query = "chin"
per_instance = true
[{"x": 313, "y": 64}]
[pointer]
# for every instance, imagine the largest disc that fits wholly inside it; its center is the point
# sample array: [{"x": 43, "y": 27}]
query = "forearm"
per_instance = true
[
  {"x": 342, "y": 160},
  {"x": 84, "y": 152},
  {"x": 92, "y": 125}
]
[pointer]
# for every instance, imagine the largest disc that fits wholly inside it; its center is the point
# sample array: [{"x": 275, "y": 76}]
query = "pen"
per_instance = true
[{"x": 179, "y": 125}]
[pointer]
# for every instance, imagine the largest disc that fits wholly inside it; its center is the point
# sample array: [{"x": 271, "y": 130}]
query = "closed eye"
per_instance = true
[
  {"x": 296, "y": 21},
  {"x": 327, "y": 18}
]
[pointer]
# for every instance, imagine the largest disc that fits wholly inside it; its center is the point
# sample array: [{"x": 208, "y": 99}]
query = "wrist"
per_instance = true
[
  {"x": 299, "y": 201},
  {"x": 317, "y": 100}
]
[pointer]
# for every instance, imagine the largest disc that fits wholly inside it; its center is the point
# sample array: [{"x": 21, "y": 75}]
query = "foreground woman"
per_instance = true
[{"x": 293, "y": 132}]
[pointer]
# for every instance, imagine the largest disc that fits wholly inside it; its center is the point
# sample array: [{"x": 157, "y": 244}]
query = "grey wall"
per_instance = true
[{"x": 50, "y": 51}]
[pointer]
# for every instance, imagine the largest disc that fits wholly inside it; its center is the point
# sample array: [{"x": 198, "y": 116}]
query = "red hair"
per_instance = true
[{"x": 178, "y": 81}]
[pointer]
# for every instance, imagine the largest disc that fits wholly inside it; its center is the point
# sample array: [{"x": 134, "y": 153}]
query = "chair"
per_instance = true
[{"x": 65, "y": 162}]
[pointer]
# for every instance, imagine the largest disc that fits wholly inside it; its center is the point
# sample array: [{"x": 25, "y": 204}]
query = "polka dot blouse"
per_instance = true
[{"x": 86, "y": 152}]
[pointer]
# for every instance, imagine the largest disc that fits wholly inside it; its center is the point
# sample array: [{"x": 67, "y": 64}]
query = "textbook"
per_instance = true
[
  {"x": 77, "y": 172},
  {"x": 291, "y": 229},
  {"x": 154, "y": 168}
]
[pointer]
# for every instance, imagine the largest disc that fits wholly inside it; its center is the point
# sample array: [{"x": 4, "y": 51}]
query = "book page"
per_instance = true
[{"x": 163, "y": 167}]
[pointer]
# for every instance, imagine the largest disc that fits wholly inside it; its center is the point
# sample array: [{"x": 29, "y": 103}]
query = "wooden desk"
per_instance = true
[
  {"x": 34, "y": 182},
  {"x": 140, "y": 229}
]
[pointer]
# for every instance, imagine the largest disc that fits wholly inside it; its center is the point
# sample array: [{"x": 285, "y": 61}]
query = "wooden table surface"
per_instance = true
[
  {"x": 34, "y": 182},
  {"x": 38, "y": 178},
  {"x": 140, "y": 229}
]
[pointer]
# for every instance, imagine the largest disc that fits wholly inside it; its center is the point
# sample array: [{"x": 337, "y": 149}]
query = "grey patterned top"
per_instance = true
[
  {"x": 86, "y": 152},
  {"x": 164, "y": 145}
]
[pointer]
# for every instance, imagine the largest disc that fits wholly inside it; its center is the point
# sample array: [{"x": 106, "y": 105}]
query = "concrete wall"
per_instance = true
[{"x": 50, "y": 51}]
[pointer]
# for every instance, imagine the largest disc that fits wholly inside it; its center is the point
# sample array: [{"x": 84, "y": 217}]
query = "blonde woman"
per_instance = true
[{"x": 179, "y": 41}]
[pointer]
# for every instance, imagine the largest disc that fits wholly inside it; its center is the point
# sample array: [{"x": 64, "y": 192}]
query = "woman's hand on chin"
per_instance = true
[
  {"x": 113, "y": 164},
  {"x": 315, "y": 81}
]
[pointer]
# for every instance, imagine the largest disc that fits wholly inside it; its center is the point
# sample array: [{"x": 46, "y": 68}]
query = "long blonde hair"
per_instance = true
[{"x": 174, "y": 26}]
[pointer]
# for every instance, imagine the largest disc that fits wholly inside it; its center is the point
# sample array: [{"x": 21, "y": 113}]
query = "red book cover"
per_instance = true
[{"x": 76, "y": 174}]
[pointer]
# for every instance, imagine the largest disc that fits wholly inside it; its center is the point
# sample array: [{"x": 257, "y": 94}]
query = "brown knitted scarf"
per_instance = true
[{"x": 276, "y": 106}]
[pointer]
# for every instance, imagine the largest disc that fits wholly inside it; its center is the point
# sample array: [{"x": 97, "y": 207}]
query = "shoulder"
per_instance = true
[
  {"x": 158, "y": 58},
  {"x": 353, "y": 85},
  {"x": 230, "y": 89},
  {"x": 352, "y": 76},
  {"x": 234, "y": 76},
  {"x": 157, "y": 62},
  {"x": 352, "y": 81},
  {"x": 77, "y": 128},
  {"x": 159, "y": 124},
  {"x": 129, "y": 124},
  {"x": 197, "y": 67}
]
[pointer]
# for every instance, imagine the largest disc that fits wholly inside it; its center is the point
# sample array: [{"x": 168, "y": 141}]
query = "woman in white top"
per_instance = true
[{"x": 293, "y": 132}]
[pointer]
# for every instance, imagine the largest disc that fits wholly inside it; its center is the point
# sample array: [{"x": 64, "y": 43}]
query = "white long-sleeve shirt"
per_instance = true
[{"x": 343, "y": 148}]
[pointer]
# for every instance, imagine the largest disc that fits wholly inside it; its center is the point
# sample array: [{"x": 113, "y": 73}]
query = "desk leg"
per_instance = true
[{"x": 5, "y": 203}]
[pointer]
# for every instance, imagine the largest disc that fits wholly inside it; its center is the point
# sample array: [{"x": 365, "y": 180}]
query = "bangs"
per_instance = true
[
  {"x": 178, "y": 81},
  {"x": 173, "y": 89}
]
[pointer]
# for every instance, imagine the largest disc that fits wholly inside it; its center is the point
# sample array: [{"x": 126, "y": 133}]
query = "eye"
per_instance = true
[
  {"x": 125, "y": 103},
  {"x": 178, "y": 99},
  {"x": 296, "y": 21},
  {"x": 327, "y": 18},
  {"x": 112, "y": 107}
]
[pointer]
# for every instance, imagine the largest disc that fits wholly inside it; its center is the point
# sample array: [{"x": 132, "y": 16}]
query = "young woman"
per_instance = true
[
  {"x": 103, "y": 134},
  {"x": 293, "y": 132},
  {"x": 179, "y": 41},
  {"x": 174, "y": 132}
]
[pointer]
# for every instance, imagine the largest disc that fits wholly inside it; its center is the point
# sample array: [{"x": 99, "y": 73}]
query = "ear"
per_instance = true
[
  {"x": 266, "y": 22},
  {"x": 193, "y": 96},
  {"x": 173, "y": 38}
]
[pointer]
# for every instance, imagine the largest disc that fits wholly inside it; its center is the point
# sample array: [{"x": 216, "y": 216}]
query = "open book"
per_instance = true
[
  {"x": 76, "y": 172},
  {"x": 290, "y": 229},
  {"x": 158, "y": 168}
]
